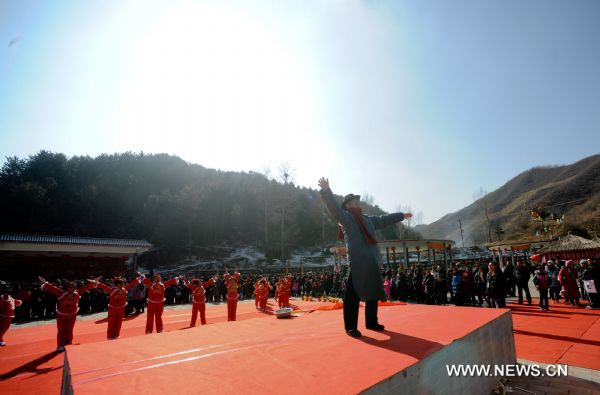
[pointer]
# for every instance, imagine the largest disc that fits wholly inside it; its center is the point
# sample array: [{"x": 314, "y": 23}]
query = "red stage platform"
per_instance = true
[
  {"x": 306, "y": 354},
  {"x": 566, "y": 334}
]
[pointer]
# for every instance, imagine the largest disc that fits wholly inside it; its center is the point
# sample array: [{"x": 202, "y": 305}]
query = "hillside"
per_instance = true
[
  {"x": 549, "y": 192},
  {"x": 181, "y": 208}
]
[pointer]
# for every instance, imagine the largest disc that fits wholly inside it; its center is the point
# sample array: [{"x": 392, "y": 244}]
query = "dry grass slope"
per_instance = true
[{"x": 572, "y": 191}]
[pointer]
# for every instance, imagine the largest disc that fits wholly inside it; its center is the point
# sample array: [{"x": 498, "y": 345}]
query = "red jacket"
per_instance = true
[
  {"x": 117, "y": 297},
  {"x": 232, "y": 285},
  {"x": 156, "y": 291},
  {"x": 568, "y": 280},
  {"x": 199, "y": 291},
  {"x": 68, "y": 302},
  {"x": 7, "y": 306},
  {"x": 262, "y": 290}
]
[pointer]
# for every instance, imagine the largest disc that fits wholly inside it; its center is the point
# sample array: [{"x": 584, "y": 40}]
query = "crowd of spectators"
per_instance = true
[
  {"x": 481, "y": 283},
  {"x": 467, "y": 283},
  {"x": 41, "y": 305}
]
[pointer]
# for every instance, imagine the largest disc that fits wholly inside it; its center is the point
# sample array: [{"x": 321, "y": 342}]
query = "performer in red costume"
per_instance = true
[
  {"x": 7, "y": 312},
  {"x": 116, "y": 305},
  {"x": 279, "y": 292},
  {"x": 156, "y": 301},
  {"x": 67, "y": 307},
  {"x": 199, "y": 303},
  {"x": 231, "y": 282},
  {"x": 261, "y": 293},
  {"x": 256, "y": 297},
  {"x": 286, "y": 290}
]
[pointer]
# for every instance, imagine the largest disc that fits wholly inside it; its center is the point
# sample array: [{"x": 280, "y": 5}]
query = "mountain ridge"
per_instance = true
[{"x": 571, "y": 190}]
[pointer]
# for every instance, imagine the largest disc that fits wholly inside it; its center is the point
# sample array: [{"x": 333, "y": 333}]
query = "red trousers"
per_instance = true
[
  {"x": 195, "y": 308},
  {"x": 231, "y": 308},
  {"x": 115, "y": 319},
  {"x": 256, "y": 300},
  {"x": 284, "y": 300},
  {"x": 263, "y": 302},
  {"x": 154, "y": 312},
  {"x": 65, "y": 325},
  {"x": 4, "y": 325}
]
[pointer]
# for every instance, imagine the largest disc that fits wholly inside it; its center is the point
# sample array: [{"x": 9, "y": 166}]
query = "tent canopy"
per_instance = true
[{"x": 571, "y": 243}]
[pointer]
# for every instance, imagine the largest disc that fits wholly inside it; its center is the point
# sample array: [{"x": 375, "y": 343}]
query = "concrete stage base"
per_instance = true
[{"x": 306, "y": 354}]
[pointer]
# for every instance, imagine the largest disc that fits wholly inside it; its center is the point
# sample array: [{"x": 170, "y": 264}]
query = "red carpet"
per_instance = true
[
  {"x": 29, "y": 364},
  {"x": 565, "y": 334},
  {"x": 257, "y": 356}
]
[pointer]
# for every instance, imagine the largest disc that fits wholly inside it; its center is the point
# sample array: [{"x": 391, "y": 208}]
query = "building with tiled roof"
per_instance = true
[{"x": 24, "y": 256}]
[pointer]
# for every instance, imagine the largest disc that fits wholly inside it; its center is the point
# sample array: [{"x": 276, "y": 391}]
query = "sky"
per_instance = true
[{"x": 417, "y": 103}]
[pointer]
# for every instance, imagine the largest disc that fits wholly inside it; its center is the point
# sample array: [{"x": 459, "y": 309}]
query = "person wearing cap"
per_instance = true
[
  {"x": 117, "y": 300},
  {"x": 7, "y": 313},
  {"x": 364, "y": 280}
]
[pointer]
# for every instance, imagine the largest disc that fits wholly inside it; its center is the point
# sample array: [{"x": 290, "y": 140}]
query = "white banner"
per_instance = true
[{"x": 590, "y": 286}]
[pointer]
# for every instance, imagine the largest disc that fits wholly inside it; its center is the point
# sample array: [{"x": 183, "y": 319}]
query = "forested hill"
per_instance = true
[
  {"x": 562, "y": 199},
  {"x": 160, "y": 198}
]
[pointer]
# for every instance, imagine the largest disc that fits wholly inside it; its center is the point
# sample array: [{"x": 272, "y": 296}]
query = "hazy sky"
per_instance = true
[{"x": 418, "y": 103}]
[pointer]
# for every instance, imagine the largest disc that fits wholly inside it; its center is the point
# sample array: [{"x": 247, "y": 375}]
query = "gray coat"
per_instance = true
[{"x": 364, "y": 259}]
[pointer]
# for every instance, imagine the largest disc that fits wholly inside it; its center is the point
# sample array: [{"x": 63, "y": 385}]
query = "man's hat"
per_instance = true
[{"x": 349, "y": 197}]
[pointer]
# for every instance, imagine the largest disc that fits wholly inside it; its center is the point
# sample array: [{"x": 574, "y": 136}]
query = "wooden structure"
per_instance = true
[
  {"x": 571, "y": 247},
  {"x": 23, "y": 257},
  {"x": 396, "y": 252},
  {"x": 514, "y": 249}
]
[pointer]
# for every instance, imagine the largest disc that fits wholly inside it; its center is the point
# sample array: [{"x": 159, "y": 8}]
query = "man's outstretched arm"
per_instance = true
[
  {"x": 386, "y": 220},
  {"x": 335, "y": 210}
]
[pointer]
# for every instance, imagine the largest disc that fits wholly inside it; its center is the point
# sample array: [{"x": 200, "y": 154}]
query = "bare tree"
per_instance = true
[
  {"x": 405, "y": 209},
  {"x": 286, "y": 172},
  {"x": 369, "y": 206},
  {"x": 367, "y": 198},
  {"x": 286, "y": 176},
  {"x": 188, "y": 201},
  {"x": 419, "y": 218},
  {"x": 481, "y": 200},
  {"x": 266, "y": 171}
]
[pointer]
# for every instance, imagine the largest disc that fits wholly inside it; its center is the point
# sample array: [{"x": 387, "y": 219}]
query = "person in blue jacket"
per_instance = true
[{"x": 364, "y": 280}]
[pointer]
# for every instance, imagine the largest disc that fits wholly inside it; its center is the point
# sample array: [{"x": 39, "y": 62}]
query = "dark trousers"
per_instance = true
[
  {"x": 498, "y": 303},
  {"x": 555, "y": 293},
  {"x": 543, "y": 298},
  {"x": 351, "y": 305},
  {"x": 511, "y": 288},
  {"x": 525, "y": 287},
  {"x": 479, "y": 297},
  {"x": 594, "y": 300}
]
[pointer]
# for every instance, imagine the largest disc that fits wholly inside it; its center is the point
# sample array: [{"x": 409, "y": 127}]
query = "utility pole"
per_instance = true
[
  {"x": 323, "y": 225},
  {"x": 461, "y": 233}
]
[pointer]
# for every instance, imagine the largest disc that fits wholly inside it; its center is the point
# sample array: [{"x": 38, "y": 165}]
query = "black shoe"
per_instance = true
[
  {"x": 353, "y": 333},
  {"x": 376, "y": 327}
]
